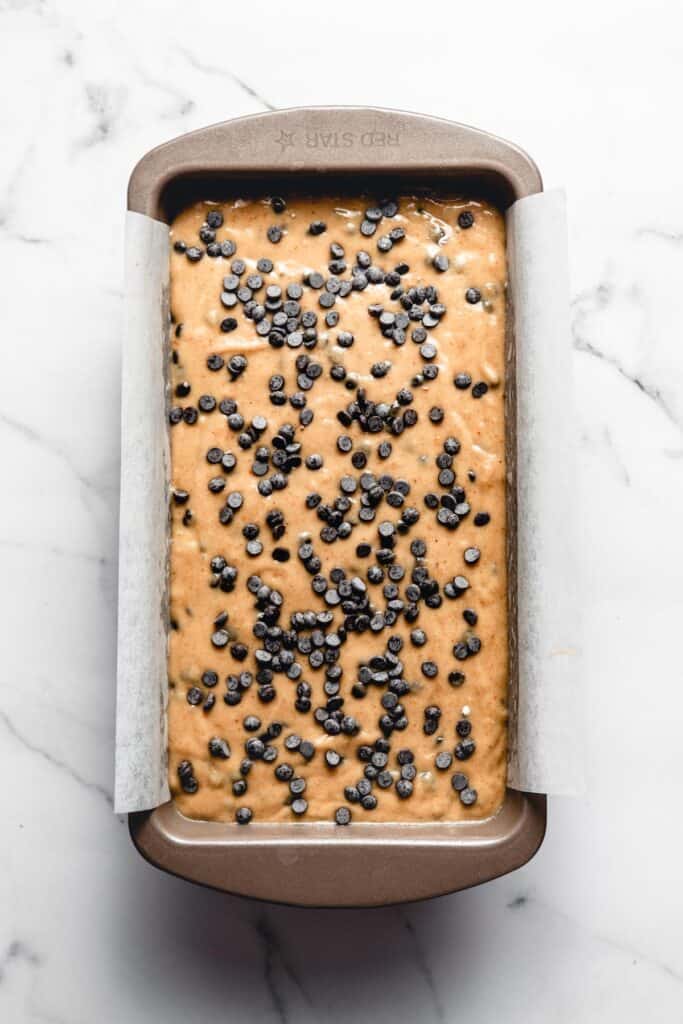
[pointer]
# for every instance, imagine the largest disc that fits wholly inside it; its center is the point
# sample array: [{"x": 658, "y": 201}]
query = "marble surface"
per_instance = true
[{"x": 591, "y": 929}]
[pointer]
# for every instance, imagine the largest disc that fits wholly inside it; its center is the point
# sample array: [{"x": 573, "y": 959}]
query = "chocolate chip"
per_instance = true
[
  {"x": 464, "y": 749},
  {"x": 219, "y": 748},
  {"x": 459, "y": 782}
]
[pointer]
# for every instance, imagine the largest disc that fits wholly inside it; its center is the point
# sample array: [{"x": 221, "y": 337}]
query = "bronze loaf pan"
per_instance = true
[{"x": 370, "y": 150}]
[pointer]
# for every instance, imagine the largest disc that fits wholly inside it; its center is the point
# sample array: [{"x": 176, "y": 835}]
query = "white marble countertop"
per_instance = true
[{"x": 591, "y": 929}]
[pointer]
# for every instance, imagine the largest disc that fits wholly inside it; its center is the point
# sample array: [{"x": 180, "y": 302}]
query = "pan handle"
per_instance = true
[{"x": 320, "y": 140}]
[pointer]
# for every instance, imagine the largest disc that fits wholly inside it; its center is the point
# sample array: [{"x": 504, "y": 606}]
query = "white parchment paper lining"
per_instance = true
[
  {"x": 143, "y": 529},
  {"x": 543, "y": 708}
]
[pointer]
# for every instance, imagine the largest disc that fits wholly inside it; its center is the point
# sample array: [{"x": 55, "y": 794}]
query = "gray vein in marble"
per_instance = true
[
  {"x": 105, "y": 105},
  {"x": 95, "y": 787},
  {"x": 272, "y": 952},
  {"x": 17, "y": 236},
  {"x": 35, "y": 437},
  {"x": 21, "y": 952},
  {"x": 211, "y": 69},
  {"x": 12, "y": 186},
  {"x": 100, "y": 727},
  {"x": 421, "y": 962},
  {"x": 31, "y": 682},
  {"x": 185, "y": 104},
  {"x": 665, "y": 236},
  {"x": 616, "y": 457},
  {"x": 15, "y": 952},
  {"x": 56, "y": 551},
  {"x": 36, "y": 6},
  {"x": 584, "y": 305},
  {"x": 7, "y": 202},
  {"x": 530, "y": 903}
]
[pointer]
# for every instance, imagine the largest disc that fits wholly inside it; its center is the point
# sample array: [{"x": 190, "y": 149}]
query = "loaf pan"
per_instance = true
[{"x": 362, "y": 150}]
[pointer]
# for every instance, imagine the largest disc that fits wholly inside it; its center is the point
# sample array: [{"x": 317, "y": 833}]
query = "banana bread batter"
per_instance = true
[{"x": 338, "y": 642}]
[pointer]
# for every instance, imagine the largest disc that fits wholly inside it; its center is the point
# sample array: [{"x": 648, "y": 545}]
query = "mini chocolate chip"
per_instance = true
[
  {"x": 459, "y": 782},
  {"x": 219, "y": 748}
]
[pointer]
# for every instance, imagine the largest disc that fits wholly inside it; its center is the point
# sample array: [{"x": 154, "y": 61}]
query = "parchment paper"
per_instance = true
[
  {"x": 143, "y": 546},
  {"x": 543, "y": 726},
  {"x": 544, "y": 712}
]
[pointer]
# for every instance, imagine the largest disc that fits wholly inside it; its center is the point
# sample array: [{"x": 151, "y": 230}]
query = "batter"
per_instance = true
[{"x": 338, "y": 642}]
